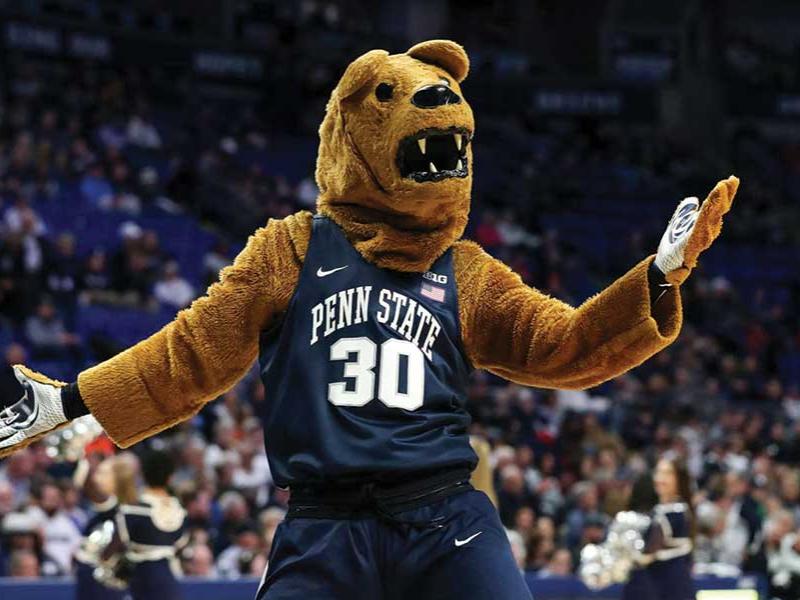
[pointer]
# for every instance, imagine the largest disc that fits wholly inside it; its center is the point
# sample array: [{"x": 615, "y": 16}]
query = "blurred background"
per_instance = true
[{"x": 142, "y": 141}]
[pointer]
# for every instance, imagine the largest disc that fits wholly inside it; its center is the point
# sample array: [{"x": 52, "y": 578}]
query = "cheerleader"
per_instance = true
[
  {"x": 642, "y": 501},
  {"x": 148, "y": 534},
  {"x": 664, "y": 571},
  {"x": 107, "y": 484}
]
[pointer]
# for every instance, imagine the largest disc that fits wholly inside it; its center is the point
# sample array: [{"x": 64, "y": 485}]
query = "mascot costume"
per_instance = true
[{"x": 367, "y": 319}]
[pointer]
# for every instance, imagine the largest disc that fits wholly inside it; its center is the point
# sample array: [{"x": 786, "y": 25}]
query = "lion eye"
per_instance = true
[{"x": 384, "y": 92}]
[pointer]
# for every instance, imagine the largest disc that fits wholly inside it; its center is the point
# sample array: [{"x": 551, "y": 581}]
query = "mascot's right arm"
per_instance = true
[{"x": 397, "y": 218}]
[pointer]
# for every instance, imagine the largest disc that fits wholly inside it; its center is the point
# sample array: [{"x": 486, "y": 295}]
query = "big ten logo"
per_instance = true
[{"x": 435, "y": 277}]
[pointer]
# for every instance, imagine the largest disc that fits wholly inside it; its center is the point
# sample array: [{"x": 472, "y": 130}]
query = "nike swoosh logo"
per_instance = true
[
  {"x": 323, "y": 273},
  {"x": 460, "y": 543}
]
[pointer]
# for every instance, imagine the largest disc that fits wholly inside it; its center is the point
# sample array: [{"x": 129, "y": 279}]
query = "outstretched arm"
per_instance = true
[
  {"x": 209, "y": 346},
  {"x": 167, "y": 378},
  {"x": 519, "y": 333},
  {"x": 530, "y": 338}
]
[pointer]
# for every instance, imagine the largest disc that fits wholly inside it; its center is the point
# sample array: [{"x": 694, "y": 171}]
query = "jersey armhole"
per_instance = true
[{"x": 457, "y": 302}]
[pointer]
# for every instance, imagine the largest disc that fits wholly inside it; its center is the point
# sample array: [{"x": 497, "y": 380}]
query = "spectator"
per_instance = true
[
  {"x": 252, "y": 476},
  {"x": 559, "y": 565},
  {"x": 71, "y": 504},
  {"x": 96, "y": 280},
  {"x": 585, "y": 515},
  {"x": 19, "y": 532},
  {"x": 199, "y": 509},
  {"x": 22, "y": 218},
  {"x": 255, "y": 565},
  {"x": 131, "y": 270},
  {"x": 24, "y": 564},
  {"x": 30, "y": 243},
  {"x": 198, "y": 561},
  {"x": 63, "y": 275},
  {"x": 60, "y": 534},
  {"x": 709, "y": 544},
  {"x": 512, "y": 494},
  {"x": 142, "y": 133},
  {"x": 172, "y": 289},
  {"x": 17, "y": 471},
  {"x": 269, "y": 520},
  {"x": 123, "y": 199},
  {"x": 95, "y": 186},
  {"x": 47, "y": 333},
  {"x": 744, "y": 513},
  {"x": 246, "y": 543},
  {"x": 525, "y": 523},
  {"x": 222, "y": 451},
  {"x": 518, "y": 548},
  {"x": 235, "y": 518},
  {"x": 151, "y": 248}
]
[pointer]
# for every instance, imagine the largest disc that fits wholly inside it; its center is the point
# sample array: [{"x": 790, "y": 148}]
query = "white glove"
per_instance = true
[
  {"x": 673, "y": 243},
  {"x": 38, "y": 411}
]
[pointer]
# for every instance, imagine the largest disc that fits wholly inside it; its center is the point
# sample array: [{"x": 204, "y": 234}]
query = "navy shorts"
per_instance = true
[{"x": 467, "y": 558}]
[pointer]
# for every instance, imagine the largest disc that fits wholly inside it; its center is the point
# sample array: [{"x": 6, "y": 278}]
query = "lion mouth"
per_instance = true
[{"x": 434, "y": 154}]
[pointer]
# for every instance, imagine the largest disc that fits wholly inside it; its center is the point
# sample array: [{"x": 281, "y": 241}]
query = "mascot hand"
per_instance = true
[
  {"x": 692, "y": 229},
  {"x": 37, "y": 412}
]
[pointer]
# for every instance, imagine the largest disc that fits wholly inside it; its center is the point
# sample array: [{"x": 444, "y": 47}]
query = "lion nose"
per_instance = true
[{"x": 432, "y": 96}]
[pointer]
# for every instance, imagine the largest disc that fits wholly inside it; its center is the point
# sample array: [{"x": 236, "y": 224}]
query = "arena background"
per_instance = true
[{"x": 140, "y": 142}]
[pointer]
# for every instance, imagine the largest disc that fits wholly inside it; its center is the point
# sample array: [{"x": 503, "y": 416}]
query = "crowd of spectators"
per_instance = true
[
  {"x": 83, "y": 143},
  {"x": 564, "y": 462}
]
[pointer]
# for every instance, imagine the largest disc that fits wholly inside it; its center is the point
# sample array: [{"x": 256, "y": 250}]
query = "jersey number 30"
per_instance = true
[{"x": 362, "y": 371}]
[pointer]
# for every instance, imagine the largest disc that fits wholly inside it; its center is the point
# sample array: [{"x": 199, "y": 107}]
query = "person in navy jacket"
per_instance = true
[
  {"x": 665, "y": 569},
  {"x": 107, "y": 484},
  {"x": 148, "y": 534}
]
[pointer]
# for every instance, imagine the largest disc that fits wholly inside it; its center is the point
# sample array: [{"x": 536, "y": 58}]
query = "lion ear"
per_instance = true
[
  {"x": 360, "y": 72},
  {"x": 445, "y": 54}
]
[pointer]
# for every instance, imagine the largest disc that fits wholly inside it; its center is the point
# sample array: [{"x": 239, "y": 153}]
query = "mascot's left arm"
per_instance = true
[
  {"x": 167, "y": 378},
  {"x": 525, "y": 336}
]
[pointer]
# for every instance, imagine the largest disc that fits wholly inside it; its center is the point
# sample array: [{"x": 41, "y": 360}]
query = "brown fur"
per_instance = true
[
  {"x": 393, "y": 222},
  {"x": 507, "y": 327},
  {"x": 528, "y": 337}
]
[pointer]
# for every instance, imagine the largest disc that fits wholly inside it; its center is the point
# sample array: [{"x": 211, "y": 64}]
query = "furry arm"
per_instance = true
[
  {"x": 167, "y": 378},
  {"x": 527, "y": 337}
]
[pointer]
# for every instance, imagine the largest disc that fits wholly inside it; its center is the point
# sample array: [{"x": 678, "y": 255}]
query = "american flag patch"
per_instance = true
[{"x": 434, "y": 292}]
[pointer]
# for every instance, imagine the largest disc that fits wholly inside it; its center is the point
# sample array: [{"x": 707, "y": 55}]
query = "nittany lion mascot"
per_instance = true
[{"x": 367, "y": 318}]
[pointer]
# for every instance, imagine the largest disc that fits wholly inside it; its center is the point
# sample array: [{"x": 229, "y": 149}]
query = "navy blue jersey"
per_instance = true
[
  {"x": 152, "y": 528},
  {"x": 365, "y": 374},
  {"x": 668, "y": 544}
]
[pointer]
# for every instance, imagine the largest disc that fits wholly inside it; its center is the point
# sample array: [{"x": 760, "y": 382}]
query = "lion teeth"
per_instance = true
[
  {"x": 433, "y": 168},
  {"x": 421, "y": 143},
  {"x": 459, "y": 166},
  {"x": 457, "y": 138}
]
